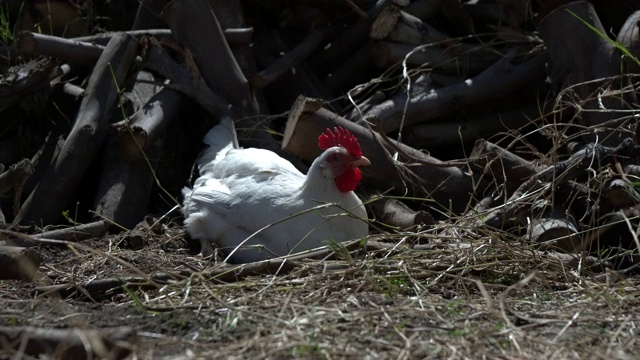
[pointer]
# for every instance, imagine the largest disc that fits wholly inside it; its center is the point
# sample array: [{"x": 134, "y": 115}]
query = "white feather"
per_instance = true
[{"x": 244, "y": 191}]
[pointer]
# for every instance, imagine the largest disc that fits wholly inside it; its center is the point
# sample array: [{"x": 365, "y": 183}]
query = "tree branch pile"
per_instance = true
[{"x": 511, "y": 117}]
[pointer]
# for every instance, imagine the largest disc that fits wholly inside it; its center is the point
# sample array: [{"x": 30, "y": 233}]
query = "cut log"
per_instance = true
[
  {"x": 450, "y": 186},
  {"x": 393, "y": 212},
  {"x": 56, "y": 187},
  {"x": 621, "y": 193},
  {"x": 115, "y": 343},
  {"x": 552, "y": 228}
]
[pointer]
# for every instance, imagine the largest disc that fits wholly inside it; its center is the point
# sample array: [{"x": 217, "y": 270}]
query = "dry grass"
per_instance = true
[{"x": 488, "y": 297}]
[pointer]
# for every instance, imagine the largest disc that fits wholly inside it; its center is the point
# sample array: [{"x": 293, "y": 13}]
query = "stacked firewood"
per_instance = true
[{"x": 105, "y": 126}]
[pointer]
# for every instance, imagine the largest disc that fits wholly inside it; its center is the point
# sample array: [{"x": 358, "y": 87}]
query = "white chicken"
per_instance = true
[{"x": 255, "y": 205}]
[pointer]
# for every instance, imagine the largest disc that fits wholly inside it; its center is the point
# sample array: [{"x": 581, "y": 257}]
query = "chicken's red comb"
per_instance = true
[{"x": 340, "y": 137}]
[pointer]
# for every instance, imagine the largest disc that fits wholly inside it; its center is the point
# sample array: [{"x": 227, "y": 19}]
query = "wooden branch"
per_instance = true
[
  {"x": 393, "y": 212},
  {"x": 222, "y": 75},
  {"x": 366, "y": 104},
  {"x": 114, "y": 343},
  {"x": 60, "y": 182},
  {"x": 576, "y": 63},
  {"x": 299, "y": 80},
  {"x": 76, "y": 233},
  {"x": 395, "y": 25},
  {"x": 501, "y": 78},
  {"x": 588, "y": 157},
  {"x": 131, "y": 157},
  {"x": 352, "y": 38},
  {"x": 292, "y": 57},
  {"x": 234, "y": 37},
  {"x": 504, "y": 166},
  {"x": 452, "y": 59},
  {"x": 183, "y": 80},
  {"x": 446, "y": 132},
  {"x": 32, "y": 44},
  {"x": 18, "y": 263},
  {"x": 450, "y": 186},
  {"x": 104, "y": 289}
]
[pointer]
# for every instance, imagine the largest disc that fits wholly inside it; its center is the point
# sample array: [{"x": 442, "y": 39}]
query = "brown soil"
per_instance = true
[{"x": 488, "y": 298}]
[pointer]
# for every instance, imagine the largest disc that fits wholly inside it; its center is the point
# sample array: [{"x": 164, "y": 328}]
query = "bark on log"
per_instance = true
[
  {"x": 114, "y": 343},
  {"x": 132, "y": 154},
  {"x": 450, "y": 186},
  {"x": 576, "y": 64},
  {"x": 502, "y": 77},
  {"x": 18, "y": 263},
  {"x": 26, "y": 79},
  {"x": 60, "y": 182}
]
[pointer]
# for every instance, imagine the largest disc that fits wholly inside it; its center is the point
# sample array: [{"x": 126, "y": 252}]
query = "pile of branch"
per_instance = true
[{"x": 431, "y": 74}]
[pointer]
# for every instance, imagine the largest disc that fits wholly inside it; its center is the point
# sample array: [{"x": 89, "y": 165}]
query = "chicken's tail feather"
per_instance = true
[{"x": 221, "y": 138}]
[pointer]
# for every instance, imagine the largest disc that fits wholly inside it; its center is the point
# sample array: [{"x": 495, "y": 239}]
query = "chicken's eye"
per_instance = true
[{"x": 334, "y": 158}]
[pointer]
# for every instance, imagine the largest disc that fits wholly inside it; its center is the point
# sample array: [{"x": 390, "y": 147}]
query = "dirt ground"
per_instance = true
[{"x": 488, "y": 298}]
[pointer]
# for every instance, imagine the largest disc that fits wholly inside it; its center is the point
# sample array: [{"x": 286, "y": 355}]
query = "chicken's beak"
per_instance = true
[{"x": 363, "y": 161}]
